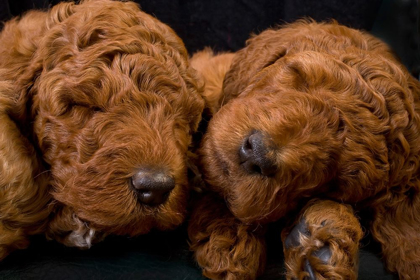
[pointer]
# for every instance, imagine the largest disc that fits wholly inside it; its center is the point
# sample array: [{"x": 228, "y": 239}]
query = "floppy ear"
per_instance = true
[
  {"x": 23, "y": 59},
  {"x": 24, "y": 195},
  {"x": 24, "y": 182}
]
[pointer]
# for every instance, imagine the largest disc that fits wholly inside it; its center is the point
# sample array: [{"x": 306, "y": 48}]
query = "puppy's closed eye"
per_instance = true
[
  {"x": 273, "y": 59},
  {"x": 91, "y": 107}
]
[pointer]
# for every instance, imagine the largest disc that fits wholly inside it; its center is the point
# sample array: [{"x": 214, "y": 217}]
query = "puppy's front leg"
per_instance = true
[
  {"x": 324, "y": 242},
  {"x": 24, "y": 194},
  {"x": 224, "y": 247}
]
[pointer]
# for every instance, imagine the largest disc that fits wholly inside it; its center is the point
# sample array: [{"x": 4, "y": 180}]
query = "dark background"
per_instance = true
[{"x": 223, "y": 25}]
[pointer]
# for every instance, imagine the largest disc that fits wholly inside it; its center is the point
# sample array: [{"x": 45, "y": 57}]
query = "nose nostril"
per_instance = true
[
  {"x": 256, "y": 169},
  {"x": 247, "y": 144},
  {"x": 252, "y": 167},
  {"x": 253, "y": 155},
  {"x": 152, "y": 187},
  {"x": 246, "y": 150}
]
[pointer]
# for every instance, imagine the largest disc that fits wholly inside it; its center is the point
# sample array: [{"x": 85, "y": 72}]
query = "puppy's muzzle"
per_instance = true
[
  {"x": 253, "y": 155},
  {"x": 152, "y": 186}
]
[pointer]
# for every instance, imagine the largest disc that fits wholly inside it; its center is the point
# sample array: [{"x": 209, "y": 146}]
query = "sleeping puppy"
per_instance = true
[
  {"x": 313, "y": 123},
  {"x": 98, "y": 105}
]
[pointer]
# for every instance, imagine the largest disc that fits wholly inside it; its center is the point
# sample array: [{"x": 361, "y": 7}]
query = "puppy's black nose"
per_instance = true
[
  {"x": 152, "y": 187},
  {"x": 253, "y": 155}
]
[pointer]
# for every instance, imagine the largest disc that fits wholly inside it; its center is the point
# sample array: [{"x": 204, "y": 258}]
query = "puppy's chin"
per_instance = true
[
  {"x": 250, "y": 197},
  {"x": 83, "y": 226},
  {"x": 126, "y": 215},
  {"x": 266, "y": 157}
]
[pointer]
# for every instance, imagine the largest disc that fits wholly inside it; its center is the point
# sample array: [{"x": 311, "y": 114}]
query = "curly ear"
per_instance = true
[
  {"x": 19, "y": 62},
  {"x": 24, "y": 52},
  {"x": 24, "y": 195}
]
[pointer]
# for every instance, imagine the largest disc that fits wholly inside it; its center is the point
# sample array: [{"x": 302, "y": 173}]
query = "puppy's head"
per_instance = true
[
  {"x": 270, "y": 147},
  {"x": 114, "y": 106},
  {"x": 307, "y": 114}
]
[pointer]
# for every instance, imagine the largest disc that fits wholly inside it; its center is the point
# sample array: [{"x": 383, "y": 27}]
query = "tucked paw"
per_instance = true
[
  {"x": 324, "y": 243},
  {"x": 298, "y": 231},
  {"x": 322, "y": 255}
]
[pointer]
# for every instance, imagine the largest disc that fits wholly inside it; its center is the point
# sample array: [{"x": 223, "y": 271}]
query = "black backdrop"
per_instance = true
[{"x": 226, "y": 24}]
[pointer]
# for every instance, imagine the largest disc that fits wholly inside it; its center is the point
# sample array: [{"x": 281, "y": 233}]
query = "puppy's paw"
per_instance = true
[
  {"x": 323, "y": 244},
  {"x": 67, "y": 228},
  {"x": 224, "y": 247},
  {"x": 321, "y": 255},
  {"x": 234, "y": 254}
]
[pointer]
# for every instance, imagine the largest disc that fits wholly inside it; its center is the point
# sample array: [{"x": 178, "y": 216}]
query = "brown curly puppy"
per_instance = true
[
  {"x": 97, "y": 108},
  {"x": 316, "y": 114}
]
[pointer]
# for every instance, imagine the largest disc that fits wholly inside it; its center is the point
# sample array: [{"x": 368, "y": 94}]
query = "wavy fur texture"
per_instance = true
[
  {"x": 340, "y": 117},
  {"x": 89, "y": 93}
]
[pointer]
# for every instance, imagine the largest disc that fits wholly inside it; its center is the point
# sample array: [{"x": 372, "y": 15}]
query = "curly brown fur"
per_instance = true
[
  {"x": 225, "y": 247},
  {"x": 337, "y": 117},
  {"x": 329, "y": 225},
  {"x": 89, "y": 94},
  {"x": 212, "y": 69}
]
